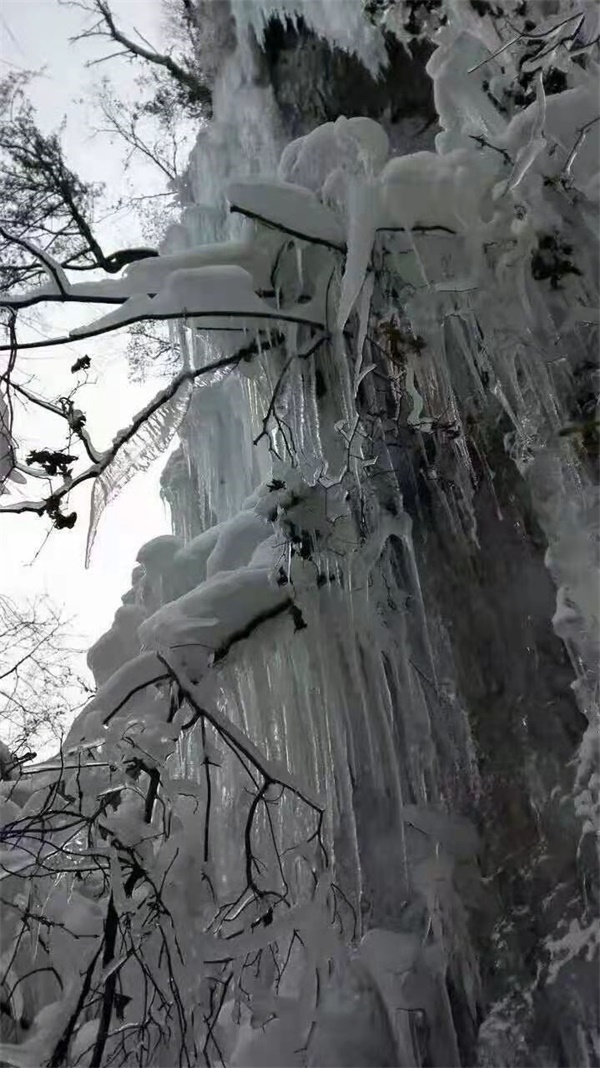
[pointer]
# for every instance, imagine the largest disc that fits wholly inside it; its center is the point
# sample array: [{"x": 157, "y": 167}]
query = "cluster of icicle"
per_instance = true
[{"x": 445, "y": 242}]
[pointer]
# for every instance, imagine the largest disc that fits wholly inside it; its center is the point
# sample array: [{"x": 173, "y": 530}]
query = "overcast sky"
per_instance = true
[{"x": 35, "y": 35}]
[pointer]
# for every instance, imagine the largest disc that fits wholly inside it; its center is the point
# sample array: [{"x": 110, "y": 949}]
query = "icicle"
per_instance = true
[
  {"x": 151, "y": 439},
  {"x": 363, "y": 213},
  {"x": 299, "y": 247},
  {"x": 363, "y": 325}
]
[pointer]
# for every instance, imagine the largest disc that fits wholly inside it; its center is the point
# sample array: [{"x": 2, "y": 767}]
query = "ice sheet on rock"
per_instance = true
[
  {"x": 158, "y": 553},
  {"x": 236, "y": 543},
  {"x": 527, "y": 153},
  {"x": 191, "y": 560},
  {"x": 393, "y": 959},
  {"x": 243, "y": 138},
  {"x": 290, "y": 208},
  {"x": 582, "y": 315},
  {"x": 158, "y": 582},
  {"x": 222, "y": 423},
  {"x": 456, "y": 836},
  {"x": 268, "y": 552},
  {"x": 119, "y": 645}
]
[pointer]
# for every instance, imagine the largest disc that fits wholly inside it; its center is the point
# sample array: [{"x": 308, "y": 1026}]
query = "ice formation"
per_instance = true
[
  {"x": 345, "y": 28},
  {"x": 411, "y": 334}
]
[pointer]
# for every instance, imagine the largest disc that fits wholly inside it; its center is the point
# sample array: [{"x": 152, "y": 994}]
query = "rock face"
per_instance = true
[
  {"x": 314, "y": 82},
  {"x": 513, "y": 674}
]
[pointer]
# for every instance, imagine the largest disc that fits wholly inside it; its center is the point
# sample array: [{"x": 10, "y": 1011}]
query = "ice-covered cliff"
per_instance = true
[{"x": 378, "y": 611}]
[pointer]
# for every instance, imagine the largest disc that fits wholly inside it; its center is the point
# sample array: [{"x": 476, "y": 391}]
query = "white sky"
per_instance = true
[{"x": 35, "y": 34}]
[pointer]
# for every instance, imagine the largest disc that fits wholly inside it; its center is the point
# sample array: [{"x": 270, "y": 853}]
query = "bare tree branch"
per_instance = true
[
  {"x": 182, "y": 75},
  {"x": 97, "y": 467},
  {"x": 46, "y": 209},
  {"x": 69, "y": 339},
  {"x": 41, "y": 687},
  {"x": 54, "y": 269}
]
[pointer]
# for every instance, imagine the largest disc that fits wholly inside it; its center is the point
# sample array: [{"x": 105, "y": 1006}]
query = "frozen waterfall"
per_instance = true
[
  {"x": 368, "y": 654},
  {"x": 401, "y": 492}
]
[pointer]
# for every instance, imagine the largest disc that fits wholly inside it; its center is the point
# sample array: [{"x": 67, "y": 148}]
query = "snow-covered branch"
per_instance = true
[
  {"x": 55, "y": 271},
  {"x": 121, "y": 439},
  {"x": 107, "y": 27}
]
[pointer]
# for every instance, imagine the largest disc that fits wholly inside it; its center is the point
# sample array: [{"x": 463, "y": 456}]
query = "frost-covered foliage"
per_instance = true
[
  {"x": 40, "y": 689},
  {"x": 257, "y": 845}
]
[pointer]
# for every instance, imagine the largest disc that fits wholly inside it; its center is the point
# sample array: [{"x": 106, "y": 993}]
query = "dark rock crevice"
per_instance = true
[{"x": 315, "y": 83}]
